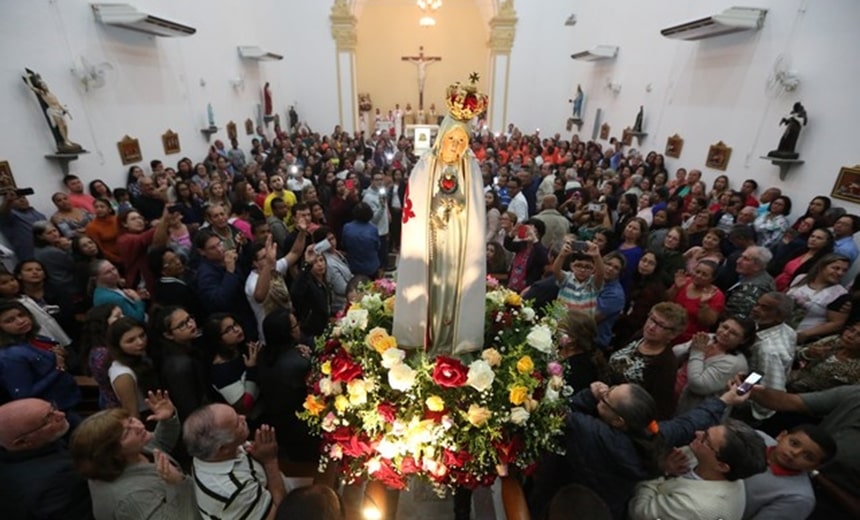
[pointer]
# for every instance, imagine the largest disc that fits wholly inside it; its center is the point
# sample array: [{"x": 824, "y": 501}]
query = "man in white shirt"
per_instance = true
[
  {"x": 233, "y": 479},
  {"x": 518, "y": 205},
  {"x": 773, "y": 351},
  {"x": 376, "y": 197}
]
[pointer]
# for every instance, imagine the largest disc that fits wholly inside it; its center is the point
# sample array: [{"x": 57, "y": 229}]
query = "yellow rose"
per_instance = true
[
  {"x": 492, "y": 357},
  {"x": 518, "y": 395},
  {"x": 478, "y": 415},
  {"x": 376, "y": 339},
  {"x": 513, "y": 299},
  {"x": 354, "y": 306},
  {"x": 525, "y": 365},
  {"x": 325, "y": 368},
  {"x": 388, "y": 306},
  {"x": 435, "y": 403},
  {"x": 341, "y": 403},
  {"x": 314, "y": 405}
]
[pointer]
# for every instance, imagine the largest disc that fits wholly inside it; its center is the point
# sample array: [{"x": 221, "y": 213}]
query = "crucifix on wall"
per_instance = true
[{"x": 422, "y": 62}]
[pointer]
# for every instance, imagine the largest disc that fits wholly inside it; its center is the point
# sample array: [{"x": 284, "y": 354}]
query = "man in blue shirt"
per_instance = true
[
  {"x": 611, "y": 299},
  {"x": 16, "y": 220},
  {"x": 843, "y": 231}
]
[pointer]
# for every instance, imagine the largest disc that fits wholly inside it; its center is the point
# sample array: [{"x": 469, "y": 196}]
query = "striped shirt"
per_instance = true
[
  {"x": 232, "y": 489},
  {"x": 580, "y": 296}
]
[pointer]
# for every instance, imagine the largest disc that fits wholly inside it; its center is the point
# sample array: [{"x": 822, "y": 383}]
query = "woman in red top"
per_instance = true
[
  {"x": 104, "y": 230},
  {"x": 698, "y": 295},
  {"x": 134, "y": 241}
]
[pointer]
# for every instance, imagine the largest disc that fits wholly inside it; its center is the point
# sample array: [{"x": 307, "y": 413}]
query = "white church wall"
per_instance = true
[
  {"x": 155, "y": 83},
  {"x": 706, "y": 91}
]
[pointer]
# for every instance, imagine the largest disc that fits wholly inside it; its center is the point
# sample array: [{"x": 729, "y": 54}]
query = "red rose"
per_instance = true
[
  {"x": 388, "y": 476},
  {"x": 508, "y": 449},
  {"x": 434, "y": 416},
  {"x": 455, "y": 460},
  {"x": 449, "y": 372},
  {"x": 387, "y": 412},
  {"x": 331, "y": 345},
  {"x": 341, "y": 435},
  {"x": 343, "y": 369},
  {"x": 408, "y": 465},
  {"x": 357, "y": 446},
  {"x": 502, "y": 320}
]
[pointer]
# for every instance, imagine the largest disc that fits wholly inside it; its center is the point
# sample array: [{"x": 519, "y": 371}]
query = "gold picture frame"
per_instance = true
[
  {"x": 231, "y": 131},
  {"x": 249, "y": 127},
  {"x": 170, "y": 141},
  {"x": 847, "y": 186},
  {"x": 718, "y": 156},
  {"x": 674, "y": 146},
  {"x": 7, "y": 180},
  {"x": 604, "y": 131},
  {"x": 627, "y": 136},
  {"x": 129, "y": 150}
]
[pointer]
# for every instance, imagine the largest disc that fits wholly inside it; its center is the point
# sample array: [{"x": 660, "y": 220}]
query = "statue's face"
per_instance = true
[{"x": 454, "y": 143}]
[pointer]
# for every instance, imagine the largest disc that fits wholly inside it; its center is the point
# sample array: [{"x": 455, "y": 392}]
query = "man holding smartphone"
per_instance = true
[{"x": 376, "y": 197}]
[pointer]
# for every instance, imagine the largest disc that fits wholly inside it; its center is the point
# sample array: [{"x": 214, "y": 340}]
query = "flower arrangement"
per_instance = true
[{"x": 386, "y": 414}]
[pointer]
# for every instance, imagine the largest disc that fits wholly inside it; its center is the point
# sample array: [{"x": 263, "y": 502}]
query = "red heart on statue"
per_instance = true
[{"x": 448, "y": 183}]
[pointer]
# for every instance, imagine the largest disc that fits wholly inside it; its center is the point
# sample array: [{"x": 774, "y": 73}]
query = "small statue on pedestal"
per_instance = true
[
  {"x": 788, "y": 141},
  {"x": 294, "y": 118},
  {"x": 210, "y": 115},
  {"x": 637, "y": 126},
  {"x": 267, "y": 100},
  {"x": 54, "y": 112}
]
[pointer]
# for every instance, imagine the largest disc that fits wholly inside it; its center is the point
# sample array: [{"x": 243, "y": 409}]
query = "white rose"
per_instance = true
[
  {"x": 496, "y": 297},
  {"x": 540, "y": 338},
  {"x": 357, "y": 390},
  {"x": 388, "y": 448},
  {"x": 480, "y": 375},
  {"x": 401, "y": 377},
  {"x": 551, "y": 395},
  {"x": 355, "y": 319},
  {"x": 519, "y": 415},
  {"x": 528, "y": 313},
  {"x": 392, "y": 357},
  {"x": 326, "y": 386}
]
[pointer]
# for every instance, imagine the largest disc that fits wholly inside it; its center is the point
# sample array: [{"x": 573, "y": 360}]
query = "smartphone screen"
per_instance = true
[
  {"x": 322, "y": 246},
  {"x": 522, "y": 232},
  {"x": 350, "y": 184},
  {"x": 748, "y": 383}
]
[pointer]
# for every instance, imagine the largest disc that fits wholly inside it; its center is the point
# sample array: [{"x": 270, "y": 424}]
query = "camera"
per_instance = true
[
  {"x": 23, "y": 192},
  {"x": 382, "y": 191},
  {"x": 578, "y": 246},
  {"x": 294, "y": 169}
]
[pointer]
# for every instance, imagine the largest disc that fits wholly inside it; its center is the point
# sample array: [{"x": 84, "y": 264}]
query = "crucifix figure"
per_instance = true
[{"x": 422, "y": 62}]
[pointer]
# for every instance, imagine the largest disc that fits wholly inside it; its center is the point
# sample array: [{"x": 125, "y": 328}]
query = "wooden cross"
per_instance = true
[{"x": 422, "y": 62}]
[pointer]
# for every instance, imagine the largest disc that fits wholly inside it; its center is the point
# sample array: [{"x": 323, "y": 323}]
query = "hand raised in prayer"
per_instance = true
[
  {"x": 265, "y": 446},
  {"x": 160, "y": 405},
  {"x": 166, "y": 470}
]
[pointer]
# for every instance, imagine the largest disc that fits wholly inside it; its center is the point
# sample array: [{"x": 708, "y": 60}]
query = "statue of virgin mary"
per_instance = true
[{"x": 441, "y": 277}]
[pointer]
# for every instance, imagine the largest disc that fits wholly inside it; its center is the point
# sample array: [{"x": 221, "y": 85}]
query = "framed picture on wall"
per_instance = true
[
  {"x": 847, "y": 185},
  {"x": 627, "y": 136},
  {"x": 249, "y": 127},
  {"x": 129, "y": 150},
  {"x": 422, "y": 138},
  {"x": 7, "y": 180},
  {"x": 231, "y": 130},
  {"x": 604, "y": 131},
  {"x": 718, "y": 156},
  {"x": 674, "y": 145},
  {"x": 170, "y": 141}
]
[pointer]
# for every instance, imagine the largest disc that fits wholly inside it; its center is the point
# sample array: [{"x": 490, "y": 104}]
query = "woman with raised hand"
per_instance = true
[{"x": 131, "y": 473}]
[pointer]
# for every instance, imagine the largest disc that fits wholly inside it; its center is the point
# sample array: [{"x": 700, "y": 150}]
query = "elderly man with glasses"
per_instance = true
[{"x": 36, "y": 469}]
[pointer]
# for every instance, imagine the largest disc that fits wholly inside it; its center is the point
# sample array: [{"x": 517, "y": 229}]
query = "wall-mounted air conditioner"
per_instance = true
[
  {"x": 128, "y": 17},
  {"x": 252, "y": 52},
  {"x": 601, "y": 52},
  {"x": 735, "y": 19}
]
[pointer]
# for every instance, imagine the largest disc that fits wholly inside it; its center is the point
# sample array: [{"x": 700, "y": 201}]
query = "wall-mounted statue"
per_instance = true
[
  {"x": 267, "y": 100},
  {"x": 788, "y": 141},
  {"x": 55, "y": 112},
  {"x": 577, "y": 103},
  {"x": 637, "y": 126}
]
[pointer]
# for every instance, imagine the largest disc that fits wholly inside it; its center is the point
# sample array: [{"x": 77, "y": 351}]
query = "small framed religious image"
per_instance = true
[
  {"x": 249, "y": 127},
  {"x": 604, "y": 131},
  {"x": 231, "y": 130},
  {"x": 129, "y": 150},
  {"x": 6, "y": 178},
  {"x": 847, "y": 185},
  {"x": 422, "y": 138},
  {"x": 277, "y": 119},
  {"x": 718, "y": 156},
  {"x": 674, "y": 145},
  {"x": 627, "y": 136},
  {"x": 170, "y": 141}
]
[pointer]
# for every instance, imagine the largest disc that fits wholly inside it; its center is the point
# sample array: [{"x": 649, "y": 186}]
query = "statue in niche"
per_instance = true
[
  {"x": 637, "y": 126},
  {"x": 210, "y": 115},
  {"x": 55, "y": 112},
  {"x": 788, "y": 141},
  {"x": 267, "y": 100},
  {"x": 577, "y": 103},
  {"x": 294, "y": 118}
]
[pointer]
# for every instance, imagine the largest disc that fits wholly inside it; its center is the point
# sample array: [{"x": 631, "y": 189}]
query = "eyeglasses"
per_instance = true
[
  {"x": 706, "y": 441},
  {"x": 46, "y": 420},
  {"x": 184, "y": 324},
  {"x": 234, "y": 327},
  {"x": 605, "y": 400},
  {"x": 584, "y": 267},
  {"x": 658, "y": 324}
]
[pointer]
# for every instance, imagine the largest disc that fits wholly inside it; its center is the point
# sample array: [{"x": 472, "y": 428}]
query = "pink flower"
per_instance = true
[{"x": 554, "y": 368}]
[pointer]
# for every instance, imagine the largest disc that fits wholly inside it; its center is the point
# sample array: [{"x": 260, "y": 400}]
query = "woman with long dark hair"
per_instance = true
[
  {"x": 94, "y": 351},
  {"x": 131, "y": 371},
  {"x": 819, "y": 244},
  {"x": 646, "y": 290},
  {"x": 233, "y": 371}
]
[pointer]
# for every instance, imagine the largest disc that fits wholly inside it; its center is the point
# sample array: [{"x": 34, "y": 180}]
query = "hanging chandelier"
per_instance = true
[{"x": 428, "y": 6}]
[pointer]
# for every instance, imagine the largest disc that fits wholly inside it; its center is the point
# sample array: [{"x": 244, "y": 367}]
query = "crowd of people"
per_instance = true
[{"x": 190, "y": 294}]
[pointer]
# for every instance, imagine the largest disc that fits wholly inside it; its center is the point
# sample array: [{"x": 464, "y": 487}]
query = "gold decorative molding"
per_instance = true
[
  {"x": 503, "y": 28},
  {"x": 343, "y": 24}
]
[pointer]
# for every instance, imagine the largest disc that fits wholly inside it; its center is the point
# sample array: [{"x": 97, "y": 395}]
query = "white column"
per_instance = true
[
  {"x": 502, "y": 33},
  {"x": 343, "y": 32}
]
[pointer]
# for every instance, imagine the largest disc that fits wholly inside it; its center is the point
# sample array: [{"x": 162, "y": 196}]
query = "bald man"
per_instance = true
[{"x": 36, "y": 472}]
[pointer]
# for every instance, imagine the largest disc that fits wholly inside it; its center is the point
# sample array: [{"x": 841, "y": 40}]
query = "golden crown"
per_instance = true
[{"x": 464, "y": 101}]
